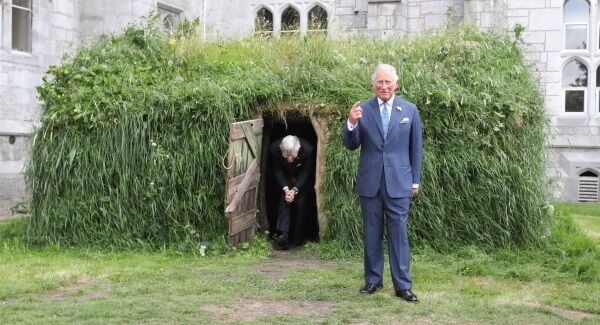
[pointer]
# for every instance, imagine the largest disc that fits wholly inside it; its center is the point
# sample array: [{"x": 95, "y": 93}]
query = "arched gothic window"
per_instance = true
[
  {"x": 290, "y": 21},
  {"x": 576, "y": 15},
  {"x": 171, "y": 16},
  {"x": 575, "y": 82},
  {"x": 317, "y": 20},
  {"x": 263, "y": 23},
  {"x": 169, "y": 23}
]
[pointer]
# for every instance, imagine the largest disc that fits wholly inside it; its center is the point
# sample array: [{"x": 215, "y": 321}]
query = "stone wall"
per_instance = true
[
  {"x": 55, "y": 31},
  {"x": 60, "y": 26}
]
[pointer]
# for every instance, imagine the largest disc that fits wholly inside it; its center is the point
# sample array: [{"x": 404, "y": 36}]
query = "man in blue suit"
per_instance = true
[{"x": 388, "y": 131}]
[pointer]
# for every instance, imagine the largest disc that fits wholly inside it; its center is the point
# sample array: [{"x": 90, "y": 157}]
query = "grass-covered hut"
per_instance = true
[{"x": 134, "y": 139}]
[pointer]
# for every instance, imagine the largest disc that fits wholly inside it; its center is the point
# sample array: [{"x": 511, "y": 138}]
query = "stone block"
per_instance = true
[
  {"x": 536, "y": 47},
  {"x": 545, "y": 19},
  {"x": 566, "y": 123},
  {"x": 3, "y": 80},
  {"x": 372, "y": 10},
  {"x": 340, "y": 11},
  {"x": 554, "y": 62},
  {"x": 16, "y": 151},
  {"x": 354, "y": 21},
  {"x": 513, "y": 21},
  {"x": 65, "y": 7},
  {"x": 534, "y": 36},
  {"x": 416, "y": 25},
  {"x": 58, "y": 34},
  {"x": 11, "y": 185},
  {"x": 553, "y": 104},
  {"x": 19, "y": 95},
  {"x": 526, "y": 4},
  {"x": 46, "y": 47},
  {"x": 63, "y": 21},
  {"x": 554, "y": 41},
  {"x": 434, "y": 21},
  {"x": 414, "y": 12},
  {"x": 433, "y": 7},
  {"x": 348, "y": 3},
  {"x": 517, "y": 12},
  {"x": 387, "y": 9},
  {"x": 6, "y": 205},
  {"x": 550, "y": 76},
  {"x": 488, "y": 19},
  {"x": 24, "y": 78}
]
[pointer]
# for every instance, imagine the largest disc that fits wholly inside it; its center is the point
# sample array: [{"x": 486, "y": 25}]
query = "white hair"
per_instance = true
[
  {"x": 386, "y": 67},
  {"x": 289, "y": 144}
]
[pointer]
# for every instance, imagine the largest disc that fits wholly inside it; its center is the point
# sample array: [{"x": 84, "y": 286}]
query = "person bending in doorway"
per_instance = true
[{"x": 292, "y": 165}]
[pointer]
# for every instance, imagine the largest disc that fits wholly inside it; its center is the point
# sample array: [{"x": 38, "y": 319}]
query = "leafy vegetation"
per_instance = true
[{"x": 135, "y": 127}]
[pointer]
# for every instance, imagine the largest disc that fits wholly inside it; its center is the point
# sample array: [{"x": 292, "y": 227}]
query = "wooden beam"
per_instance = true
[{"x": 242, "y": 187}]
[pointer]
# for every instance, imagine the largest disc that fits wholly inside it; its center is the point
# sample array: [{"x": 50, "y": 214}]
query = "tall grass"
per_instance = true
[{"x": 134, "y": 130}]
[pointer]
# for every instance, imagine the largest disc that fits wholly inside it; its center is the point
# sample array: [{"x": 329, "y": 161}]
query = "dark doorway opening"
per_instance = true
[{"x": 275, "y": 128}]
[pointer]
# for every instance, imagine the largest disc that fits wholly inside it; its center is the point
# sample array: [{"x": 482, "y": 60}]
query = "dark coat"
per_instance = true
[{"x": 297, "y": 173}]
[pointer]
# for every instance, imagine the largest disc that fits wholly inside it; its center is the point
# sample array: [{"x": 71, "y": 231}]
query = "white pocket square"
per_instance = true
[{"x": 404, "y": 120}]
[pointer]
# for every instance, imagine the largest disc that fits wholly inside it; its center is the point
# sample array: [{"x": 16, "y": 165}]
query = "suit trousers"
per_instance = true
[
  {"x": 293, "y": 215},
  {"x": 396, "y": 218}
]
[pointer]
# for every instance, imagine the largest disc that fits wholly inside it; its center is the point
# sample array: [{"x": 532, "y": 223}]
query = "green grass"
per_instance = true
[
  {"x": 139, "y": 122},
  {"x": 467, "y": 286},
  {"x": 586, "y": 215}
]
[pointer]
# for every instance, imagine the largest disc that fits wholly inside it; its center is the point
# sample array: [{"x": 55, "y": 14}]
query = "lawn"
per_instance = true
[
  {"x": 255, "y": 284},
  {"x": 586, "y": 215}
]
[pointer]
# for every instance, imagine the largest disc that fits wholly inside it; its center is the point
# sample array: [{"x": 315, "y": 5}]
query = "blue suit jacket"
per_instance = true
[{"x": 399, "y": 156}]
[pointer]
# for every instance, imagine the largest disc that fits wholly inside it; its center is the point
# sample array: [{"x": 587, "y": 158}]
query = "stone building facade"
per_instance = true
[{"x": 563, "y": 39}]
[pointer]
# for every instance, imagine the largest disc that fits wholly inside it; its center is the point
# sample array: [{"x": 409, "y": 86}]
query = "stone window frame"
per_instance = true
[
  {"x": 295, "y": 7},
  {"x": 311, "y": 7},
  {"x": 171, "y": 13},
  {"x": 255, "y": 15},
  {"x": 29, "y": 27},
  {"x": 278, "y": 9},
  {"x": 590, "y": 57},
  {"x": 587, "y": 28},
  {"x": 580, "y": 88}
]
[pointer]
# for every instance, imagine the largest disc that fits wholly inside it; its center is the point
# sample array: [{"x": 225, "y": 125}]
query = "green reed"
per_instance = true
[{"x": 134, "y": 129}]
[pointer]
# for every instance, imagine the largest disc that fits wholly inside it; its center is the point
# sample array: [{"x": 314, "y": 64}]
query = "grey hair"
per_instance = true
[
  {"x": 388, "y": 68},
  {"x": 289, "y": 144}
]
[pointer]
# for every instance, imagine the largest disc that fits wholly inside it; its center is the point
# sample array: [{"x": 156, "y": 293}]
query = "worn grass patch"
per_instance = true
[{"x": 467, "y": 286}]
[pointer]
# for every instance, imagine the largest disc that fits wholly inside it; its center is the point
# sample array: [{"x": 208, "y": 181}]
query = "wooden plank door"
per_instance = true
[{"x": 243, "y": 175}]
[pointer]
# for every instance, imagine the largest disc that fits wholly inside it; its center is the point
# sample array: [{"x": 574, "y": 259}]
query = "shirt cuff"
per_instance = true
[
  {"x": 350, "y": 126},
  {"x": 415, "y": 185}
]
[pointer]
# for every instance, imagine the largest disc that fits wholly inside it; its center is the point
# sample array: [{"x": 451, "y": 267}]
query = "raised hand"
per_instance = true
[{"x": 355, "y": 113}]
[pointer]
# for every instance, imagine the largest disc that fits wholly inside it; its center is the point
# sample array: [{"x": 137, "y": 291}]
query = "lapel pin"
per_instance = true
[{"x": 399, "y": 108}]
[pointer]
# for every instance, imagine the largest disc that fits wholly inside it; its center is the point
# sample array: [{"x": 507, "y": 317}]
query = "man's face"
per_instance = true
[
  {"x": 384, "y": 85},
  {"x": 290, "y": 156}
]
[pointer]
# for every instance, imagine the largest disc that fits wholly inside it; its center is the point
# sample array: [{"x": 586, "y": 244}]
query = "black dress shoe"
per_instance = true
[
  {"x": 370, "y": 288},
  {"x": 407, "y": 295},
  {"x": 283, "y": 243}
]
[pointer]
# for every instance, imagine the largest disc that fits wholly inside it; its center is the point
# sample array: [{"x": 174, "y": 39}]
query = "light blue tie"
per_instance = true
[{"x": 385, "y": 120}]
